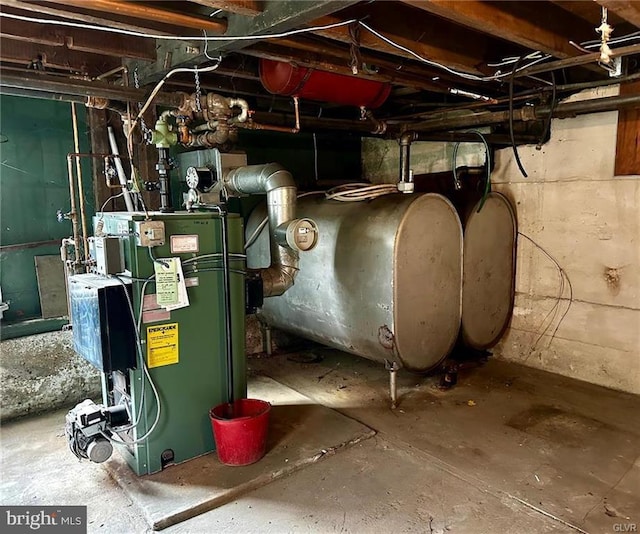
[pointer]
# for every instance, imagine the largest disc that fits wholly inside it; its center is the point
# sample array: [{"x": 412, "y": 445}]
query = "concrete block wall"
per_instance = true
[{"x": 584, "y": 216}]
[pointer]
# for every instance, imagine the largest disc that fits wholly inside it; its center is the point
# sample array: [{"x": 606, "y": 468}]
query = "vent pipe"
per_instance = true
[{"x": 287, "y": 235}]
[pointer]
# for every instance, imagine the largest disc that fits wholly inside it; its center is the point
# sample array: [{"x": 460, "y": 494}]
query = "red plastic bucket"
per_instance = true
[{"x": 240, "y": 430}]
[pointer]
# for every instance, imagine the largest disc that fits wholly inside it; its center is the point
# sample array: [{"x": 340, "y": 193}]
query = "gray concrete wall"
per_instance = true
[
  {"x": 589, "y": 220},
  {"x": 42, "y": 373}
]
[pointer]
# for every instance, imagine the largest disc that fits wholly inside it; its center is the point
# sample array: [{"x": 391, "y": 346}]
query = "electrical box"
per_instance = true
[
  {"x": 103, "y": 331},
  {"x": 150, "y": 233},
  {"x": 107, "y": 253}
]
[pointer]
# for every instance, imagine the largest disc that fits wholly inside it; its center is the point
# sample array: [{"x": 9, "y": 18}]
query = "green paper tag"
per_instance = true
[{"x": 167, "y": 281}]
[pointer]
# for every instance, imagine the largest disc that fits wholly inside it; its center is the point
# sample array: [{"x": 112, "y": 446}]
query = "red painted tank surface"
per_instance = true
[{"x": 282, "y": 78}]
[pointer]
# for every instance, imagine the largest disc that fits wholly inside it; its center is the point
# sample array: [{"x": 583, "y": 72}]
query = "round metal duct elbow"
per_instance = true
[{"x": 282, "y": 78}]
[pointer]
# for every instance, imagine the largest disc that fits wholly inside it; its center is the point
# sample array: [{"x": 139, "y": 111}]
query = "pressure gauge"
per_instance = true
[
  {"x": 192, "y": 178},
  {"x": 200, "y": 178}
]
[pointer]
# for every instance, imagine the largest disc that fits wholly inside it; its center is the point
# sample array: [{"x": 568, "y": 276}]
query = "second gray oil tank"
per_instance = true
[
  {"x": 384, "y": 281},
  {"x": 489, "y": 271}
]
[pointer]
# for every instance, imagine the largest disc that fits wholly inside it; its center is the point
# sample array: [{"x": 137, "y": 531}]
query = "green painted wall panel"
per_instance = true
[{"x": 36, "y": 136}]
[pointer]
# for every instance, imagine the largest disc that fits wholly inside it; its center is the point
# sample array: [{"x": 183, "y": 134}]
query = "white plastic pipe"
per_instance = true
[{"x": 122, "y": 177}]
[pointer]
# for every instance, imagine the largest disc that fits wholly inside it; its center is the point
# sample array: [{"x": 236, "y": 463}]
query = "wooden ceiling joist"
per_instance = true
[
  {"x": 80, "y": 40},
  {"x": 239, "y": 7},
  {"x": 525, "y": 23},
  {"x": 146, "y": 12},
  {"x": 278, "y": 16},
  {"x": 55, "y": 57},
  {"x": 335, "y": 56},
  {"x": 31, "y": 32},
  {"x": 626, "y": 9},
  {"x": 39, "y": 9},
  {"x": 445, "y": 49},
  {"x": 588, "y": 11},
  {"x": 332, "y": 64}
]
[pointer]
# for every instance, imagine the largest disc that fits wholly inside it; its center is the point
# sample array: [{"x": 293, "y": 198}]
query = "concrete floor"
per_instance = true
[{"x": 510, "y": 449}]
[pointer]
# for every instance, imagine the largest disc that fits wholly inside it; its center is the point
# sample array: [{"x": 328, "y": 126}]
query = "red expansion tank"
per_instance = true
[{"x": 282, "y": 78}]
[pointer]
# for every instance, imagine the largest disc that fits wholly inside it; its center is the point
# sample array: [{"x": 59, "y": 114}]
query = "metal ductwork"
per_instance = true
[{"x": 287, "y": 235}]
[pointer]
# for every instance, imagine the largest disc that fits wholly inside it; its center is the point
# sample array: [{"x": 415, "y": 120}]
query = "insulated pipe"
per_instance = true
[
  {"x": 280, "y": 188},
  {"x": 122, "y": 177}
]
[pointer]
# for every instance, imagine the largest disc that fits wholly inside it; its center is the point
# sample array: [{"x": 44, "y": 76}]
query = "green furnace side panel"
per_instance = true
[{"x": 190, "y": 388}]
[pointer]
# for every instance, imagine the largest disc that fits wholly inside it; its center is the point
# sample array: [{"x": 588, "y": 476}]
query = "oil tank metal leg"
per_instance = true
[
  {"x": 266, "y": 339},
  {"x": 393, "y": 368}
]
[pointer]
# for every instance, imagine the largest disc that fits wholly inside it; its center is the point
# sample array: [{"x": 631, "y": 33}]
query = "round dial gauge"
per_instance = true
[{"x": 192, "y": 178}]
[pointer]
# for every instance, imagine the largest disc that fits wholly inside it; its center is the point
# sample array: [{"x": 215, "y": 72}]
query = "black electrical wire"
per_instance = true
[
  {"x": 487, "y": 182},
  {"x": 513, "y": 139},
  {"x": 563, "y": 276},
  {"x": 547, "y": 122},
  {"x": 227, "y": 303}
]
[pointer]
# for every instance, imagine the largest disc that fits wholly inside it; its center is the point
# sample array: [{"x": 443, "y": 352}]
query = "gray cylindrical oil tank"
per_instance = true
[
  {"x": 489, "y": 271},
  {"x": 384, "y": 281}
]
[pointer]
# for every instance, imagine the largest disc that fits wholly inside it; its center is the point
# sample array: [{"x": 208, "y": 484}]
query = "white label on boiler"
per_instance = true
[{"x": 184, "y": 243}]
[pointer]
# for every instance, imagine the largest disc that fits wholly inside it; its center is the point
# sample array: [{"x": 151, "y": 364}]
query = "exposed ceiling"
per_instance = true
[{"x": 465, "y": 38}]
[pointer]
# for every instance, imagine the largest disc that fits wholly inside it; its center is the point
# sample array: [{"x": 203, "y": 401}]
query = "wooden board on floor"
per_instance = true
[{"x": 51, "y": 287}]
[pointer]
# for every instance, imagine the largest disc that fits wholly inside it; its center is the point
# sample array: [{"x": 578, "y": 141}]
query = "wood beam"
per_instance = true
[
  {"x": 333, "y": 56},
  {"x": 584, "y": 59},
  {"x": 55, "y": 57},
  {"x": 337, "y": 66},
  {"x": 526, "y": 24},
  {"x": 430, "y": 38},
  {"x": 589, "y": 12},
  {"x": 79, "y": 39},
  {"x": 626, "y": 9},
  {"x": 29, "y": 32},
  {"x": 146, "y": 12},
  {"x": 628, "y": 139},
  {"x": 43, "y": 82},
  {"x": 248, "y": 8},
  {"x": 79, "y": 16},
  {"x": 315, "y": 52},
  {"x": 278, "y": 16}
]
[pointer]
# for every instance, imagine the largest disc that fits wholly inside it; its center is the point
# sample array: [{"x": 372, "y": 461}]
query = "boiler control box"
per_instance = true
[
  {"x": 150, "y": 233},
  {"x": 107, "y": 253}
]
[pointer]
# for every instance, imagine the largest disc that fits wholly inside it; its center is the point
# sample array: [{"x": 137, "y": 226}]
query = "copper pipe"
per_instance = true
[
  {"x": 72, "y": 214},
  {"x": 76, "y": 146},
  {"x": 269, "y": 127},
  {"x": 250, "y": 125}
]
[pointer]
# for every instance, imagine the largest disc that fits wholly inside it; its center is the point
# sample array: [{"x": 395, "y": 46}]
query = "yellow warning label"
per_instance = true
[{"x": 162, "y": 345}]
